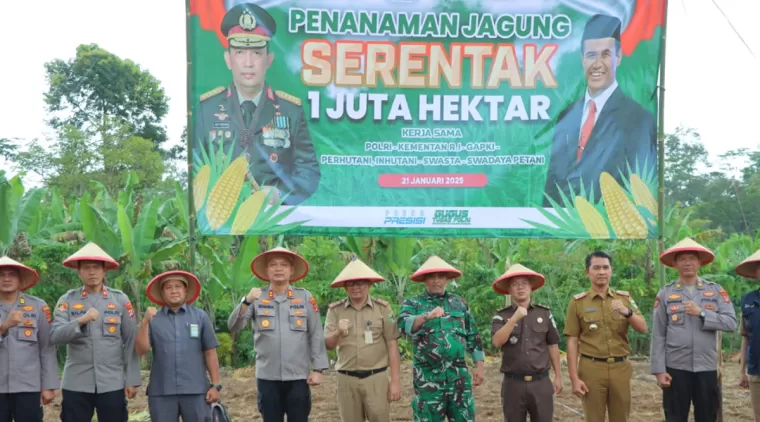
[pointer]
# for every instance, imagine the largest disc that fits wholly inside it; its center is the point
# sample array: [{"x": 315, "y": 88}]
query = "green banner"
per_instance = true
[{"x": 461, "y": 118}]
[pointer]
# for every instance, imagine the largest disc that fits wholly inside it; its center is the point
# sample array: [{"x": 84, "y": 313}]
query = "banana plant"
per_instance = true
[{"x": 19, "y": 211}]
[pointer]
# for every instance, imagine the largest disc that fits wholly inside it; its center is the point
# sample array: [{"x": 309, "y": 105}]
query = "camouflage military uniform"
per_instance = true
[{"x": 442, "y": 383}]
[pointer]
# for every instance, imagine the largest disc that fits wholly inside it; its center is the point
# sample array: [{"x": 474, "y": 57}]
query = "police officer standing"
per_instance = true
[
  {"x": 28, "y": 363},
  {"x": 184, "y": 348},
  {"x": 97, "y": 325},
  {"x": 287, "y": 336},
  {"x": 687, "y": 314},
  {"x": 749, "y": 369},
  {"x": 597, "y": 329},
  {"x": 364, "y": 331},
  {"x": 529, "y": 341},
  {"x": 442, "y": 330},
  {"x": 268, "y": 127}
]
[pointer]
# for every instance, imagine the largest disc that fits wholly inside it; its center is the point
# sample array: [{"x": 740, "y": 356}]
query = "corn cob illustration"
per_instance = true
[
  {"x": 592, "y": 219},
  {"x": 248, "y": 212},
  {"x": 642, "y": 195},
  {"x": 626, "y": 222},
  {"x": 200, "y": 186},
  {"x": 224, "y": 195}
]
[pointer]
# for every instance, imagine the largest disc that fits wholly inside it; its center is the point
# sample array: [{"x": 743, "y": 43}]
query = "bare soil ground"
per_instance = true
[{"x": 239, "y": 395}]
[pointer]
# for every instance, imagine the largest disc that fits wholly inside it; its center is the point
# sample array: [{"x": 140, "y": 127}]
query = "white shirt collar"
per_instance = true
[{"x": 601, "y": 98}]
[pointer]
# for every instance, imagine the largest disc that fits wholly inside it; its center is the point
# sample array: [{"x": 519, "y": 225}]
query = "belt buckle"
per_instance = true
[
  {"x": 610, "y": 360},
  {"x": 528, "y": 378}
]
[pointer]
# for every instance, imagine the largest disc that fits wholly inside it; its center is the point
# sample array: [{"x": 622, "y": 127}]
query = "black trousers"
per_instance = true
[
  {"x": 279, "y": 398},
  {"x": 78, "y": 407},
  {"x": 687, "y": 387},
  {"x": 20, "y": 407}
]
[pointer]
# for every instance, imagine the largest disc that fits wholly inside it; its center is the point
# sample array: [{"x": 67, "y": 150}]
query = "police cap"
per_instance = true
[{"x": 248, "y": 26}]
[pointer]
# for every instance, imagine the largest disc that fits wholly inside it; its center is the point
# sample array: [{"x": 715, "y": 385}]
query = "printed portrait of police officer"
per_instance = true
[{"x": 265, "y": 125}]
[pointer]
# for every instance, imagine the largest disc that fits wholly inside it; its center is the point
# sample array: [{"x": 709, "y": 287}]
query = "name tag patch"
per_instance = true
[{"x": 194, "y": 331}]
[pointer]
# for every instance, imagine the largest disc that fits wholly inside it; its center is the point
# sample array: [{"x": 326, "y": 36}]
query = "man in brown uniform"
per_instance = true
[
  {"x": 364, "y": 331},
  {"x": 597, "y": 329},
  {"x": 526, "y": 348}
]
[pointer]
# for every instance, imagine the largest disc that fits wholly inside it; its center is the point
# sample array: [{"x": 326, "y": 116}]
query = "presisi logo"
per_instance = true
[{"x": 405, "y": 217}]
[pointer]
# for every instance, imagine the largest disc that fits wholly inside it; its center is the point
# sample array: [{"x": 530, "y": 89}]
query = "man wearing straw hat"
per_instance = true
[
  {"x": 287, "y": 336},
  {"x": 28, "y": 362},
  {"x": 687, "y": 315},
  {"x": 529, "y": 341},
  {"x": 184, "y": 348},
  {"x": 97, "y": 325},
  {"x": 364, "y": 331},
  {"x": 442, "y": 330},
  {"x": 597, "y": 329},
  {"x": 749, "y": 369}
]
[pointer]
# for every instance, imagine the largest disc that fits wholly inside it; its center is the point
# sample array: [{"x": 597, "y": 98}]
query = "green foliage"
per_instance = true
[{"x": 224, "y": 351}]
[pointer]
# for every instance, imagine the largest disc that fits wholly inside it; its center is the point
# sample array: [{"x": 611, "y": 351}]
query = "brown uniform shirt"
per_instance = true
[
  {"x": 602, "y": 332},
  {"x": 354, "y": 354},
  {"x": 526, "y": 352}
]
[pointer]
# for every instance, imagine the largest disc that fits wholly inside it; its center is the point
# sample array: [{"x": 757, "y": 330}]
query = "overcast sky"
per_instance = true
[{"x": 712, "y": 79}]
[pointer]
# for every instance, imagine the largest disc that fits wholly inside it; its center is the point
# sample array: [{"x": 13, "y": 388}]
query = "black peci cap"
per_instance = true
[{"x": 602, "y": 26}]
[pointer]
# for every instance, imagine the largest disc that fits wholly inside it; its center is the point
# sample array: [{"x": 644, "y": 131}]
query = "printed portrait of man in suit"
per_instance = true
[{"x": 606, "y": 130}]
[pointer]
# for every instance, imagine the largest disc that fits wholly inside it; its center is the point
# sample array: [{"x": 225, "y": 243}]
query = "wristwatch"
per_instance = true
[
  {"x": 245, "y": 302},
  {"x": 217, "y": 386},
  {"x": 702, "y": 314},
  {"x": 425, "y": 316},
  {"x": 630, "y": 313}
]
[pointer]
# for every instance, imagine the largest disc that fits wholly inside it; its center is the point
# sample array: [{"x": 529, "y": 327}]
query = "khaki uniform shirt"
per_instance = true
[
  {"x": 526, "y": 351},
  {"x": 28, "y": 362},
  {"x": 685, "y": 342},
  {"x": 100, "y": 356},
  {"x": 287, "y": 334},
  {"x": 354, "y": 353},
  {"x": 601, "y": 332}
]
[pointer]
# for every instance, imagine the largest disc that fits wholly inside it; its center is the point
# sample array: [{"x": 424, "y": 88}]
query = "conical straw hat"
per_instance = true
[
  {"x": 687, "y": 245},
  {"x": 153, "y": 291},
  {"x": 91, "y": 252},
  {"x": 501, "y": 284},
  {"x": 259, "y": 264},
  {"x": 433, "y": 265},
  {"x": 29, "y": 276},
  {"x": 354, "y": 271},
  {"x": 748, "y": 267}
]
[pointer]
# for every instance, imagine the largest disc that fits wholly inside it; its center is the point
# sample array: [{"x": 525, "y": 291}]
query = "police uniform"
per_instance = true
[
  {"x": 28, "y": 362},
  {"x": 363, "y": 352},
  {"x": 271, "y": 131},
  {"x": 525, "y": 361},
  {"x": 604, "y": 348},
  {"x": 100, "y": 356},
  {"x": 442, "y": 383},
  {"x": 684, "y": 346},
  {"x": 750, "y": 329},
  {"x": 178, "y": 382},
  {"x": 289, "y": 342}
]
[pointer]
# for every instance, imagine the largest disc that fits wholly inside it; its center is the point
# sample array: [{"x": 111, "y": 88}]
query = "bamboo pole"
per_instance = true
[
  {"x": 190, "y": 202},
  {"x": 661, "y": 148}
]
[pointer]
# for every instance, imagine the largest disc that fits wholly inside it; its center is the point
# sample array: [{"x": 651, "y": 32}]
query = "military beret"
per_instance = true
[
  {"x": 248, "y": 26},
  {"x": 602, "y": 26}
]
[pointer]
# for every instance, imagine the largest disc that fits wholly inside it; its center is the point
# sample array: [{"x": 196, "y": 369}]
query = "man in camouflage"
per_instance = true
[{"x": 442, "y": 331}]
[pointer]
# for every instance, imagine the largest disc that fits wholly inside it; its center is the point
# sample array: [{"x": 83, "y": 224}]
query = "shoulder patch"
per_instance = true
[
  {"x": 623, "y": 293},
  {"x": 580, "y": 295},
  {"x": 543, "y": 306},
  {"x": 209, "y": 94},
  {"x": 334, "y": 304},
  {"x": 288, "y": 97},
  {"x": 380, "y": 301}
]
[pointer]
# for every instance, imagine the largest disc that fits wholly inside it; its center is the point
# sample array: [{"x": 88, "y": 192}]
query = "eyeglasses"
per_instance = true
[{"x": 359, "y": 283}]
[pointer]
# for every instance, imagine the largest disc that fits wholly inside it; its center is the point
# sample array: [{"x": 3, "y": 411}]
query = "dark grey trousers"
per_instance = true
[{"x": 192, "y": 408}]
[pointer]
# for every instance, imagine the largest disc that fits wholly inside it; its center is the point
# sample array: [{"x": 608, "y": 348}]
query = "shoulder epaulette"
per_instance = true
[
  {"x": 543, "y": 306},
  {"x": 580, "y": 295},
  {"x": 209, "y": 94},
  {"x": 287, "y": 97},
  {"x": 503, "y": 309},
  {"x": 623, "y": 293},
  {"x": 334, "y": 304},
  {"x": 380, "y": 301}
]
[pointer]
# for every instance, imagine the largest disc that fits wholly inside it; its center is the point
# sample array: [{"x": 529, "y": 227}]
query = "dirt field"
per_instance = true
[{"x": 239, "y": 396}]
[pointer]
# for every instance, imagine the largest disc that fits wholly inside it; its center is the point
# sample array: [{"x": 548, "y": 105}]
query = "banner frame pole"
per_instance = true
[
  {"x": 661, "y": 148},
  {"x": 189, "y": 139}
]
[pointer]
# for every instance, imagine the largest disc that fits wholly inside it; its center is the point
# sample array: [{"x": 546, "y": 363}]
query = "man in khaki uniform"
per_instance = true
[
  {"x": 363, "y": 330},
  {"x": 597, "y": 330}
]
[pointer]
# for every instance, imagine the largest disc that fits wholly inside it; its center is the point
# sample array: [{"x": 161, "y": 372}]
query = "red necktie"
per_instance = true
[{"x": 588, "y": 125}]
